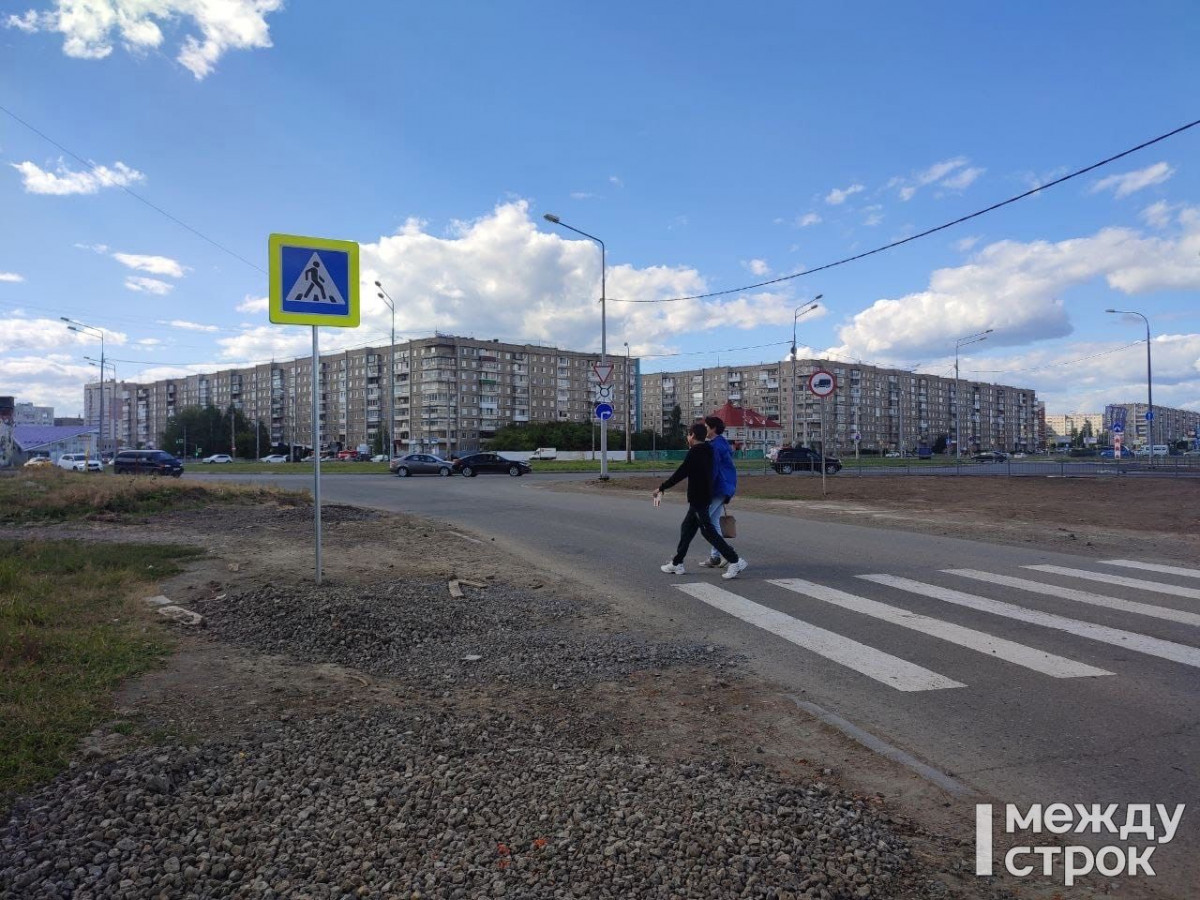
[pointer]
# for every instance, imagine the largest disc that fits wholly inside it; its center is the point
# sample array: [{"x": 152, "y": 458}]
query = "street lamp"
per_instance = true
[
  {"x": 958, "y": 344},
  {"x": 800, "y": 311},
  {"x": 550, "y": 217},
  {"x": 628, "y": 404},
  {"x": 81, "y": 328},
  {"x": 101, "y": 365},
  {"x": 1149, "y": 380},
  {"x": 386, "y": 298}
]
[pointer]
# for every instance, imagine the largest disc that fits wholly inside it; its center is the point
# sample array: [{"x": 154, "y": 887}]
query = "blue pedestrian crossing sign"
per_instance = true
[
  {"x": 313, "y": 281},
  {"x": 604, "y": 411}
]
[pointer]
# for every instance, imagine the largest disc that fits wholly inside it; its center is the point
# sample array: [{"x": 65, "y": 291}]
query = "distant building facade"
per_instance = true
[
  {"x": 1170, "y": 425},
  {"x": 890, "y": 409},
  {"x": 452, "y": 393},
  {"x": 28, "y": 414},
  {"x": 1060, "y": 428}
]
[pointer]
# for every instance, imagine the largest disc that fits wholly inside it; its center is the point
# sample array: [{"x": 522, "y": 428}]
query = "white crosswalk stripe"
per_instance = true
[
  {"x": 1153, "y": 567},
  {"x": 1019, "y": 654},
  {"x": 890, "y": 670},
  {"x": 1155, "y": 587},
  {"x": 1139, "y": 643},
  {"x": 1064, "y": 593}
]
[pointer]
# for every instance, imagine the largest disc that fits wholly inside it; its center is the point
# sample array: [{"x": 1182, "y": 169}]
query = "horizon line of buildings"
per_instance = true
[{"x": 452, "y": 392}]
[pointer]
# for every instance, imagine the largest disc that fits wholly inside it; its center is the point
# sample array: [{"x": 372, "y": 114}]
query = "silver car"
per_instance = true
[{"x": 421, "y": 464}]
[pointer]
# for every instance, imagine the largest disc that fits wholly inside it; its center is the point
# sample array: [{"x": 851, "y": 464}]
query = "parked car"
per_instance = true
[
  {"x": 37, "y": 461},
  {"x": 379, "y": 457},
  {"x": 218, "y": 458},
  {"x": 80, "y": 462},
  {"x": 490, "y": 463},
  {"x": 892, "y": 454},
  {"x": 804, "y": 459},
  {"x": 147, "y": 462},
  {"x": 990, "y": 456},
  {"x": 421, "y": 464},
  {"x": 274, "y": 458}
]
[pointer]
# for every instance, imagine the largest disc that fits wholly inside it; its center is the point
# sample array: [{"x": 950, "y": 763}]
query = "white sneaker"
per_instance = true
[
  {"x": 672, "y": 569},
  {"x": 735, "y": 568},
  {"x": 709, "y": 563}
]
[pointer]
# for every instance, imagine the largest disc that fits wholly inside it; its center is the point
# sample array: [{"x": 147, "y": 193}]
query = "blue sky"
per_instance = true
[{"x": 712, "y": 146}]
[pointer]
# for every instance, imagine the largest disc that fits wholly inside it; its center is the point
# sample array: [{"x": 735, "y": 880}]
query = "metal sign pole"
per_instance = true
[
  {"x": 822, "y": 446},
  {"x": 316, "y": 451}
]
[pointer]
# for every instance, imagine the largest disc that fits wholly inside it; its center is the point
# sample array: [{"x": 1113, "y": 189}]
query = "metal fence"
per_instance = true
[{"x": 1172, "y": 466}]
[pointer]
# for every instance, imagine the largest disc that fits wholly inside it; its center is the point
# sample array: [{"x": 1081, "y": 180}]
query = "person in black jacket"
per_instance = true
[{"x": 697, "y": 468}]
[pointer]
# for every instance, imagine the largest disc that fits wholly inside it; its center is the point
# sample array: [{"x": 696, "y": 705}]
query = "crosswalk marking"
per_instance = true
[
  {"x": 1155, "y": 587},
  {"x": 1153, "y": 567},
  {"x": 1019, "y": 654},
  {"x": 891, "y": 670},
  {"x": 1139, "y": 643},
  {"x": 1063, "y": 593}
]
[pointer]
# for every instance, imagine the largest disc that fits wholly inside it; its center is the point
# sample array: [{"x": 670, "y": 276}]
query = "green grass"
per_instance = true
[
  {"x": 52, "y": 495},
  {"x": 71, "y": 630}
]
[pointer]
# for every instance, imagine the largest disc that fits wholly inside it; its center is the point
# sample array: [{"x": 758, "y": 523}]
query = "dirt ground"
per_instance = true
[
  {"x": 210, "y": 688},
  {"x": 1148, "y": 516}
]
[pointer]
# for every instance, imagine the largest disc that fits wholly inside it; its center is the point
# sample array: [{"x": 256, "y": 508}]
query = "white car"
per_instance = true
[
  {"x": 274, "y": 458},
  {"x": 80, "y": 462},
  {"x": 379, "y": 457},
  {"x": 218, "y": 458}
]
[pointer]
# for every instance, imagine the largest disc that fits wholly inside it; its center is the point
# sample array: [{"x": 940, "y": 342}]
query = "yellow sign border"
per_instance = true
[{"x": 275, "y": 245}]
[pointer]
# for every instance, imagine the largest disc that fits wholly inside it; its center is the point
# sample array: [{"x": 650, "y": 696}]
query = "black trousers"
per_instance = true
[{"x": 697, "y": 520}]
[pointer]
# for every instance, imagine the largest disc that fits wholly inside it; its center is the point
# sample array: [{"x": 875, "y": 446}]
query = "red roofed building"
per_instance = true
[{"x": 748, "y": 429}]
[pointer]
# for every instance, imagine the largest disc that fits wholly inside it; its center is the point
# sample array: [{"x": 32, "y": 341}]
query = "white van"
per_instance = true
[
  {"x": 80, "y": 462},
  {"x": 544, "y": 453},
  {"x": 1159, "y": 450}
]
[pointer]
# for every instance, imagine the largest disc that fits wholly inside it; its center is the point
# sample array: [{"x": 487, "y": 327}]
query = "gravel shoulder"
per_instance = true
[{"x": 378, "y": 737}]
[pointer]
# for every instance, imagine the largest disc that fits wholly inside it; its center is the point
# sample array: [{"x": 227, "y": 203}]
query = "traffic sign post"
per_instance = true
[
  {"x": 822, "y": 383},
  {"x": 313, "y": 281}
]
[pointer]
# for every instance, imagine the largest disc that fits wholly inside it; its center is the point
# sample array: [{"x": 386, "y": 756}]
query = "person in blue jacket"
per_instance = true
[{"x": 724, "y": 482}]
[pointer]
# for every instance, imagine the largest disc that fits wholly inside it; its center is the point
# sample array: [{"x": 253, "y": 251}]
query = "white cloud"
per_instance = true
[
  {"x": 952, "y": 174},
  {"x": 1015, "y": 288},
  {"x": 874, "y": 216},
  {"x": 90, "y": 27},
  {"x": 1158, "y": 215},
  {"x": 757, "y": 267},
  {"x": 148, "y": 285},
  {"x": 837, "y": 196},
  {"x": 64, "y": 181},
  {"x": 614, "y": 180},
  {"x": 1125, "y": 184},
  {"x": 40, "y": 335},
  {"x": 49, "y": 379},
  {"x": 189, "y": 326},
  {"x": 582, "y": 195},
  {"x": 11, "y": 277},
  {"x": 962, "y": 179},
  {"x": 95, "y": 248},
  {"x": 963, "y": 245},
  {"x": 808, "y": 219},
  {"x": 155, "y": 265},
  {"x": 148, "y": 342},
  {"x": 254, "y": 305}
]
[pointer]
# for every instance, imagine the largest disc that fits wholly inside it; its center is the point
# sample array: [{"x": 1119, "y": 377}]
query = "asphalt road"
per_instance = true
[{"x": 1059, "y": 710}]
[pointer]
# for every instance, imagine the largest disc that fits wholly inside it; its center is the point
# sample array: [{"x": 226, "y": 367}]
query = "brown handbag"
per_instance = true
[{"x": 728, "y": 526}]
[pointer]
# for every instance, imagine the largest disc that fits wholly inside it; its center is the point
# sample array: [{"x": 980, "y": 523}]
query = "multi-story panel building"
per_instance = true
[
  {"x": 451, "y": 393},
  {"x": 28, "y": 414},
  {"x": 1059, "y": 428},
  {"x": 887, "y": 408},
  {"x": 1170, "y": 424}
]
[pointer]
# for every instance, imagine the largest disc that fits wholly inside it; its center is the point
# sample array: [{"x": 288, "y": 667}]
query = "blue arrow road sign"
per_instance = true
[
  {"x": 1118, "y": 428},
  {"x": 604, "y": 411},
  {"x": 1150, "y": 415}
]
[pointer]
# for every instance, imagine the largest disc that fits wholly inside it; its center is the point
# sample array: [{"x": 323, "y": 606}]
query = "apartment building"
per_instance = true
[
  {"x": 1170, "y": 424},
  {"x": 28, "y": 414},
  {"x": 887, "y": 409},
  {"x": 1059, "y": 428},
  {"x": 451, "y": 393}
]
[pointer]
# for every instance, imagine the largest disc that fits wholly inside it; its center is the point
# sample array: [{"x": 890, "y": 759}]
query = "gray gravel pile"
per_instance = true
[
  {"x": 405, "y": 804},
  {"x": 416, "y": 630}
]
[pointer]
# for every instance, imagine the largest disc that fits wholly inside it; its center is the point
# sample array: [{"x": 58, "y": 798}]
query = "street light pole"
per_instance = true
[
  {"x": 386, "y": 298},
  {"x": 958, "y": 344},
  {"x": 80, "y": 327},
  {"x": 550, "y": 217},
  {"x": 1149, "y": 380},
  {"x": 800, "y": 311},
  {"x": 100, "y": 364}
]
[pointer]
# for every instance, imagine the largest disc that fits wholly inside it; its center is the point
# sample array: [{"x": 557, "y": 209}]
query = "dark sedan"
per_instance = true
[
  {"x": 804, "y": 459},
  {"x": 990, "y": 456},
  {"x": 421, "y": 464},
  {"x": 490, "y": 464}
]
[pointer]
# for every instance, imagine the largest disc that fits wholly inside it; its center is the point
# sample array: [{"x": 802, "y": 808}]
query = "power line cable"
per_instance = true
[
  {"x": 927, "y": 232},
  {"x": 134, "y": 194}
]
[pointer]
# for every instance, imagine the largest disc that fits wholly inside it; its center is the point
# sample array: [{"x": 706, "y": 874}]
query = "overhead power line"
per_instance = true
[{"x": 927, "y": 232}]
